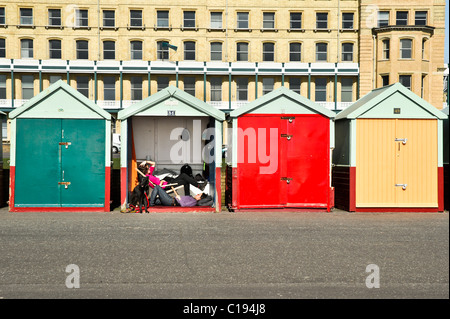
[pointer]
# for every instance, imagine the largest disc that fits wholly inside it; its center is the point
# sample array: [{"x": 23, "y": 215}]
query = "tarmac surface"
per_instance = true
[{"x": 255, "y": 255}]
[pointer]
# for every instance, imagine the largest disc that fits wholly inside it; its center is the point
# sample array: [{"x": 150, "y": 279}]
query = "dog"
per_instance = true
[{"x": 140, "y": 194}]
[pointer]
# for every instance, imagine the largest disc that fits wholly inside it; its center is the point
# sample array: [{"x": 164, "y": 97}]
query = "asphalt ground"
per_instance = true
[{"x": 255, "y": 255}]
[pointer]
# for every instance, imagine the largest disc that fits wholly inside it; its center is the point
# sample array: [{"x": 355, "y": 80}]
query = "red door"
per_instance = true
[
  {"x": 258, "y": 180},
  {"x": 299, "y": 176},
  {"x": 307, "y": 158}
]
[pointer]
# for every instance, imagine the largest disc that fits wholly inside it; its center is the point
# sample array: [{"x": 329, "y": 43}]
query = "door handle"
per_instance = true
[
  {"x": 66, "y": 184},
  {"x": 403, "y": 140},
  {"x": 65, "y": 143},
  {"x": 402, "y": 185},
  {"x": 287, "y": 179},
  {"x": 290, "y": 118},
  {"x": 287, "y": 136}
]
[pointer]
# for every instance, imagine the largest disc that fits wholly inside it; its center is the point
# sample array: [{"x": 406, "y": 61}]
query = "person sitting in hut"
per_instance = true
[
  {"x": 160, "y": 197},
  {"x": 182, "y": 179}
]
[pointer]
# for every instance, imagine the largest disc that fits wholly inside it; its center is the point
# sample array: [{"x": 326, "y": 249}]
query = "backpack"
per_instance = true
[
  {"x": 186, "y": 168},
  {"x": 206, "y": 201}
]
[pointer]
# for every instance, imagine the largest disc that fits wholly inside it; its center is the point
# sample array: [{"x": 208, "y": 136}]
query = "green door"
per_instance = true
[
  {"x": 65, "y": 159},
  {"x": 83, "y": 163},
  {"x": 37, "y": 163}
]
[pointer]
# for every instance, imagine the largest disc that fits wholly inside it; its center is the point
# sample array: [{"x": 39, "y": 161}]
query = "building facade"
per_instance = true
[{"x": 226, "y": 53}]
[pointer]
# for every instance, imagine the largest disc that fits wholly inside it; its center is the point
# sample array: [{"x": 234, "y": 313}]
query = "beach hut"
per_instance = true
[
  {"x": 172, "y": 128},
  {"x": 281, "y": 154},
  {"x": 60, "y": 153},
  {"x": 389, "y": 153}
]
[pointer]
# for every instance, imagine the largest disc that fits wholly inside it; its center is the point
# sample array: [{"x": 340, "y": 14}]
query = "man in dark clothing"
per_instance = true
[{"x": 185, "y": 180}]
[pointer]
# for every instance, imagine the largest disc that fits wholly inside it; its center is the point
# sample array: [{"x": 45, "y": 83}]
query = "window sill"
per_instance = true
[
  {"x": 81, "y": 28},
  {"x": 189, "y": 28},
  {"x": 26, "y": 26},
  {"x": 109, "y": 28},
  {"x": 215, "y": 30},
  {"x": 242, "y": 30},
  {"x": 142, "y": 27},
  {"x": 322, "y": 30},
  {"x": 268, "y": 30},
  {"x": 54, "y": 27},
  {"x": 348, "y": 30},
  {"x": 162, "y": 28},
  {"x": 296, "y": 30},
  {"x": 3, "y": 25}
]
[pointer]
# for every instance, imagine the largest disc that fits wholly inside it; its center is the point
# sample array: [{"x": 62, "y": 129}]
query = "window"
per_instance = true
[
  {"x": 296, "y": 20},
  {"x": 162, "y": 19},
  {"x": 82, "y": 50},
  {"x": 216, "y": 20},
  {"x": 242, "y": 51},
  {"x": 189, "y": 85},
  {"x": 405, "y": 49},
  {"x": 424, "y": 51},
  {"x": 347, "y": 20},
  {"x": 347, "y": 52},
  {"x": 109, "y": 88},
  {"x": 162, "y": 51},
  {"x": 242, "y": 20},
  {"x": 295, "y": 50},
  {"x": 83, "y": 85},
  {"x": 2, "y": 48},
  {"x": 26, "y": 16},
  {"x": 136, "y": 88},
  {"x": 26, "y": 49},
  {"x": 321, "y": 51},
  {"x": 189, "y": 19},
  {"x": 54, "y": 17},
  {"x": 346, "y": 90},
  {"x": 2, "y": 86},
  {"x": 2, "y": 15},
  {"x": 136, "y": 18},
  {"x": 385, "y": 80},
  {"x": 109, "y": 18},
  {"x": 216, "y": 89},
  {"x": 421, "y": 18},
  {"x": 386, "y": 47},
  {"x": 242, "y": 89},
  {"x": 383, "y": 18},
  {"x": 405, "y": 80},
  {"x": 321, "y": 20},
  {"x": 268, "y": 84},
  {"x": 136, "y": 50},
  {"x": 422, "y": 86},
  {"x": 189, "y": 50},
  {"x": 294, "y": 84},
  {"x": 81, "y": 17},
  {"x": 54, "y": 78},
  {"x": 162, "y": 82},
  {"x": 216, "y": 51},
  {"x": 268, "y": 20},
  {"x": 27, "y": 87},
  {"x": 402, "y": 18},
  {"x": 109, "y": 50},
  {"x": 268, "y": 51},
  {"x": 321, "y": 90},
  {"x": 54, "y": 49}
]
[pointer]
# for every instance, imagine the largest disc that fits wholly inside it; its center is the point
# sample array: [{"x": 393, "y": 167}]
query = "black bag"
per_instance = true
[
  {"x": 206, "y": 201},
  {"x": 186, "y": 168}
]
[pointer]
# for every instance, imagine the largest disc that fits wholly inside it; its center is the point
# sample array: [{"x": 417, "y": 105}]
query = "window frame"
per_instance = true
[
  {"x": 136, "y": 22},
  {"x": 80, "y": 21},
  {"x": 22, "y": 17},
  {"x": 241, "y": 88},
  {"x": 160, "y": 19},
  {"x": 344, "y": 21},
  {"x": 385, "y": 21},
  {"x": 268, "y": 81},
  {"x": 403, "y": 50},
  {"x": 109, "y": 19},
  {"x": 320, "y": 21},
  {"x": 190, "y": 89},
  {"x": 291, "y": 52},
  {"x": 268, "y": 53},
  {"x": 2, "y": 47},
  {"x": 109, "y": 50},
  {"x": 322, "y": 89},
  {"x": 134, "y": 51},
  {"x": 215, "y": 52},
  {"x": 347, "y": 89},
  {"x": 109, "y": 88},
  {"x": 386, "y": 49},
  {"x": 27, "y": 92},
  {"x": 239, "y": 20},
  {"x": 52, "y": 51},
  {"x": 3, "y": 16},
  {"x": 51, "y": 18},
  {"x": 29, "y": 49},
  {"x": 240, "y": 52},
  {"x": 405, "y": 76},
  {"x": 217, "y": 14},
  {"x": 271, "y": 22},
  {"x": 82, "y": 89},
  {"x": 345, "y": 54},
  {"x": 416, "y": 18},
  {"x": 403, "y": 21},
  {"x": 292, "y": 21},
  {"x": 185, "y": 19},
  {"x": 136, "y": 90},
  {"x": 320, "y": 52},
  {"x": 215, "y": 89},
  {"x": 79, "y": 51},
  {"x": 189, "y": 51},
  {"x": 161, "y": 51}
]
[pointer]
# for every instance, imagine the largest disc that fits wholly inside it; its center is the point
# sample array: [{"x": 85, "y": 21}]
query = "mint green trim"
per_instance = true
[
  {"x": 123, "y": 146},
  {"x": 352, "y": 146},
  {"x": 440, "y": 141}
]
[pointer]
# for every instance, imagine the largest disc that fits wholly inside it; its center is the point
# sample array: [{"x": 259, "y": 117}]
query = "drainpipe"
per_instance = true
[
  {"x": 98, "y": 27},
  {"x": 13, "y": 93}
]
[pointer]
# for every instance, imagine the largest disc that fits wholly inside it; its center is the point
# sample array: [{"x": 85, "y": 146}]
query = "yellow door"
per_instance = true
[
  {"x": 416, "y": 171},
  {"x": 396, "y": 163},
  {"x": 375, "y": 163}
]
